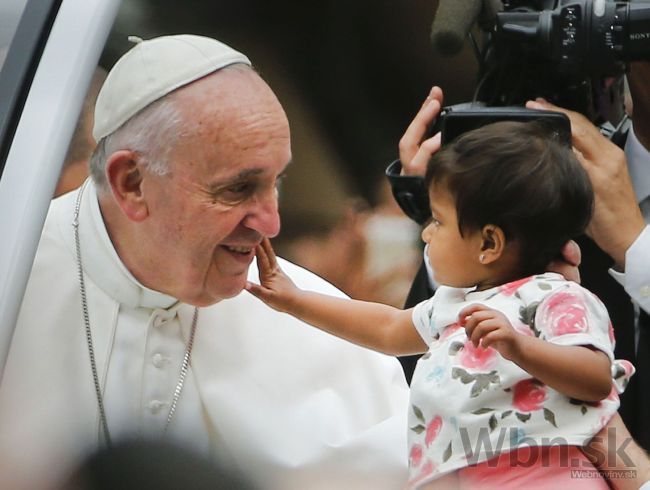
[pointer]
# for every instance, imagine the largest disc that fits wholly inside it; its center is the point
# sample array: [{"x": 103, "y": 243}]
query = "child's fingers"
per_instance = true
[
  {"x": 471, "y": 321},
  {"x": 483, "y": 328},
  {"x": 470, "y": 310},
  {"x": 254, "y": 289},
  {"x": 270, "y": 253},
  {"x": 263, "y": 264},
  {"x": 492, "y": 337}
]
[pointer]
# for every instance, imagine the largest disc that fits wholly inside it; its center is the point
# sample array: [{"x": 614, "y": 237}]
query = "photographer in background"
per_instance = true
[
  {"x": 615, "y": 207},
  {"x": 523, "y": 58},
  {"x": 618, "y": 253}
]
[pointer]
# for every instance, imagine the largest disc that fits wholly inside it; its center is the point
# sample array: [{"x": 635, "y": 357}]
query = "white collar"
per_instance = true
[
  {"x": 104, "y": 266},
  {"x": 638, "y": 163}
]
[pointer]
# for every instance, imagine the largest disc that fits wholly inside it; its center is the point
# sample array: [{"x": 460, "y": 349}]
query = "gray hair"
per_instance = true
[{"x": 151, "y": 133}]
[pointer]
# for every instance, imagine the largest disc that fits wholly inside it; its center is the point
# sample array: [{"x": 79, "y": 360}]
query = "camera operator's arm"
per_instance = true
[{"x": 617, "y": 225}]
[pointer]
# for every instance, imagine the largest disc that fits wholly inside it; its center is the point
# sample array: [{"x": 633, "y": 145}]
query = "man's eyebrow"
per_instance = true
[
  {"x": 243, "y": 175},
  {"x": 247, "y": 173},
  {"x": 253, "y": 172}
]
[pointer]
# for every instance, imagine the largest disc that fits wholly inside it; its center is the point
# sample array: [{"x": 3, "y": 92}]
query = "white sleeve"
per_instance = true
[
  {"x": 421, "y": 316},
  {"x": 571, "y": 315},
  {"x": 636, "y": 279}
]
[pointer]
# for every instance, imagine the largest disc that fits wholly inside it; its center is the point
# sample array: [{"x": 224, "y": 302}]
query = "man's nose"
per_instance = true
[
  {"x": 426, "y": 233},
  {"x": 264, "y": 217}
]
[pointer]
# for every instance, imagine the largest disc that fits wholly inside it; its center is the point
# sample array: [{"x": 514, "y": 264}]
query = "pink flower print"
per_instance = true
[
  {"x": 510, "y": 288},
  {"x": 433, "y": 429},
  {"x": 622, "y": 371},
  {"x": 563, "y": 313},
  {"x": 427, "y": 469},
  {"x": 528, "y": 395},
  {"x": 522, "y": 328},
  {"x": 613, "y": 395},
  {"x": 602, "y": 422},
  {"x": 612, "y": 337},
  {"x": 415, "y": 456},
  {"x": 425, "y": 472},
  {"x": 449, "y": 330},
  {"x": 627, "y": 366},
  {"x": 477, "y": 357}
]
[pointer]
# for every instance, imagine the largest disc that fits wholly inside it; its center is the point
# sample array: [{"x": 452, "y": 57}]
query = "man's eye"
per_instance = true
[
  {"x": 239, "y": 188},
  {"x": 233, "y": 194}
]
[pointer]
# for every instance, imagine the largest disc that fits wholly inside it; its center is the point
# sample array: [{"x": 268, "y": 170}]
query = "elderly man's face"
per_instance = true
[{"x": 207, "y": 216}]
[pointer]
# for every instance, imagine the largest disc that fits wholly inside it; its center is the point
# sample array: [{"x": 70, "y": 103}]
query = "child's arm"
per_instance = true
[
  {"x": 374, "y": 325},
  {"x": 576, "y": 371}
]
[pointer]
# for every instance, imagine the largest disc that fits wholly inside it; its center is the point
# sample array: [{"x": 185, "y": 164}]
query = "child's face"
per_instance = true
[{"x": 454, "y": 258}]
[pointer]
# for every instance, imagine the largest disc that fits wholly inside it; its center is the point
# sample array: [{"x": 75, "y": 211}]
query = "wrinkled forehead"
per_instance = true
[
  {"x": 236, "y": 87},
  {"x": 232, "y": 120}
]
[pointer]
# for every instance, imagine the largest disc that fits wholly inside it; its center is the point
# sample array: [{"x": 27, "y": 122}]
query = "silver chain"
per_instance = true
[{"x": 89, "y": 340}]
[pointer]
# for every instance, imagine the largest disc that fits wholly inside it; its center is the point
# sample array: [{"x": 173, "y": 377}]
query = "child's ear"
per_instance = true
[{"x": 493, "y": 243}]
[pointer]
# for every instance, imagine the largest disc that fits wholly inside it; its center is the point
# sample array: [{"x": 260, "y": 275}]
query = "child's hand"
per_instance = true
[
  {"x": 275, "y": 288},
  {"x": 490, "y": 328}
]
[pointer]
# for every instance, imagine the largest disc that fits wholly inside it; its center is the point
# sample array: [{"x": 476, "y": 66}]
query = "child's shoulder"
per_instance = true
[
  {"x": 538, "y": 286},
  {"x": 551, "y": 289}
]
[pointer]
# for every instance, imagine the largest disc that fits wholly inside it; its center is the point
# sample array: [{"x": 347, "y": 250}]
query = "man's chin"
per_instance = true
[
  {"x": 209, "y": 299},
  {"x": 225, "y": 288}
]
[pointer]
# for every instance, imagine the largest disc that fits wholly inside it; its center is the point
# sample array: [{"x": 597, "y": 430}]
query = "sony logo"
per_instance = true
[{"x": 638, "y": 36}]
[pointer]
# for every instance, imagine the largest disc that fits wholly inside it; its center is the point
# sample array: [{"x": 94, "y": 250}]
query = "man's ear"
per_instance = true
[
  {"x": 493, "y": 243},
  {"x": 124, "y": 175}
]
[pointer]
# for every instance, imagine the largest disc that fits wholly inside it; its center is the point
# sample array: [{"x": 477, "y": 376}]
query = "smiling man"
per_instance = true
[{"x": 134, "y": 322}]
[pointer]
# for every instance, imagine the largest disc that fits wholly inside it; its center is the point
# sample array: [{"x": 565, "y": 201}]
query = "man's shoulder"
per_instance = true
[{"x": 58, "y": 222}]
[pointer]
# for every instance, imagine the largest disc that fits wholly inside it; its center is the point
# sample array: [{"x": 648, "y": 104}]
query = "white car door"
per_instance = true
[{"x": 48, "y": 65}]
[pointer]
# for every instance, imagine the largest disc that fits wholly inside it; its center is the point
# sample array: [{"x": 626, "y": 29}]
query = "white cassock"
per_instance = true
[{"x": 289, "y": 406}]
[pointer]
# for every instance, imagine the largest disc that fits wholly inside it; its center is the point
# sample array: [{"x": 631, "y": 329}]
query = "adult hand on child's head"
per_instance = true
[
  {"x": 275, "y": 288},
  {"x": 414, "y": 150},
  {"x": 617, "y": 220},
  {"x": 567, "y": 265}
]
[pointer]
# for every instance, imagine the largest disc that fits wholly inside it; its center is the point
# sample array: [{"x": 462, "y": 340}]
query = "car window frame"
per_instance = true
[
  {"x": 20, "y": 65},
  {"x": 39, "y": 142}
]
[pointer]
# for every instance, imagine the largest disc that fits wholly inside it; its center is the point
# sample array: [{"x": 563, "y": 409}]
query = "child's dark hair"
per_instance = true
[{"x": 520, "y": 177}]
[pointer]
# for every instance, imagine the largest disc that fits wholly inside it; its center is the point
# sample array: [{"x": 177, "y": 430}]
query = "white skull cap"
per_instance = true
[{"x": 154, "y": 68}]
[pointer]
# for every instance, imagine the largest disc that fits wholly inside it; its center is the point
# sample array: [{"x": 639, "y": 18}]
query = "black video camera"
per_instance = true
[{"x": 571, "y": 52}]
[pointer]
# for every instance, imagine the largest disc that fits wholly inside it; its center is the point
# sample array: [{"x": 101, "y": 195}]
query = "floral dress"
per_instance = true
[{"x": 470, "y": 404}]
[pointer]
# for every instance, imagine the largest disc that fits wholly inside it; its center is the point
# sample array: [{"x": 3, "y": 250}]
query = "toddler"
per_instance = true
[{"x": 518, "y": 371}]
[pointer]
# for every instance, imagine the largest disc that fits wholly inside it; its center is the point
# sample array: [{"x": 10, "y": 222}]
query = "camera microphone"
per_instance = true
[{"x": 452, "y": 23}]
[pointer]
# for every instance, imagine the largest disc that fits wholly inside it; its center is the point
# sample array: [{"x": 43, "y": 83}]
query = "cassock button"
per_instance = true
[
  {"x": 159, "y": 321},
  {"x": 158, "y": 360},
  {"x": 155, "y": 406},
  {"x": 645, "y": 291}
]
